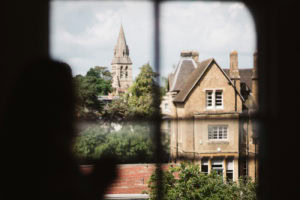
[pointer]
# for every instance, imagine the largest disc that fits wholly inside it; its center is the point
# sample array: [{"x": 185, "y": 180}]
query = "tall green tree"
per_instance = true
[
  {"x": 97, "y": 81},
  {"x": 140, "y": 102}
]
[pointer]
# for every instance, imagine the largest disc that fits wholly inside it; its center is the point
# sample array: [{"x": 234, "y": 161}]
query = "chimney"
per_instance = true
[
  {"x": 255, "y": 79},
  {"x": 254, "y": 71},
  {"x": 234, "y": 69},
  {"x": 186, "y": 54},
  {"x": 195, "y": 55},
  {"x": 234, "y": 74}
]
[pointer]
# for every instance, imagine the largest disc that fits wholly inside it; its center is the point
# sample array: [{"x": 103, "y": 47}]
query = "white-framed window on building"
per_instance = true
[
  {"x": 219, "y": 99},
  {"x": 166, "y": 107},
  {"x": 204, "y": 166},
  {"x": 229, "y": 170},
  {"x": 169, "y": 124},
  {"x": 217, "y": 165},
  {"x": 209, "y": 100},
  {"x": 217, "y": 132},
  {"x": 214, "y": 99}
]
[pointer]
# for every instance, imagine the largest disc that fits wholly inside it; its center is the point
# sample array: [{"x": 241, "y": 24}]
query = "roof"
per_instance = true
[
  {"x": 170, "y": 79},
  {"x": 245, "y": 75},
  {"x": 184, "y": 68},
  {"x": 121, "y": 50},
  {"x": 195, "y": 77},
  {"x": 192, "y": 80}
]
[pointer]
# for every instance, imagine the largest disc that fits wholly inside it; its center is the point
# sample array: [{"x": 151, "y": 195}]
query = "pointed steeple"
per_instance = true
[{"x": 121, "y": 50}]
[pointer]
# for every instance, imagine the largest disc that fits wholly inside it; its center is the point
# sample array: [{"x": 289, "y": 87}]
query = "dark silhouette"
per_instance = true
[{"x": 37, "y": 132}]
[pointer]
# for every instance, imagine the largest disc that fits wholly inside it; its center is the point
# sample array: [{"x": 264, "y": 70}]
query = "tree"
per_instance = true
[
  {"x": 133, "y": 143},
  {"x": 96, "y": 82},
  {"x": 165, "y": 86},
  {"x": 140, "y": 102},
  {"x": 187, "y": 182}
]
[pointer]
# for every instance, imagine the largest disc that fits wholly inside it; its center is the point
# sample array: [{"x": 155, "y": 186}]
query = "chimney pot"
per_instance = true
[{"x": 234, "y": 69}]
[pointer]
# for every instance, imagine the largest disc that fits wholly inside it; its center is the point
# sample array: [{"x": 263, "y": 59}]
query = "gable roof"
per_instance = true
[
  {"x": 170, "y": 79},
  {"x": 184, "y": 68},
  {"x": 196, "y": 76},
  {"x": 245, "y": 75}
]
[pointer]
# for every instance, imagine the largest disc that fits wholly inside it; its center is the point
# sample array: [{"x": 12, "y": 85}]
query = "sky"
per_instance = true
[{"x": 84, "y": 33}]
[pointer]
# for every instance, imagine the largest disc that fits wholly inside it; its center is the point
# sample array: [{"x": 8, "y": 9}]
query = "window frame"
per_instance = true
[
  {"x": 210, "y": 136},
  {"x": 214, "y": 105}
]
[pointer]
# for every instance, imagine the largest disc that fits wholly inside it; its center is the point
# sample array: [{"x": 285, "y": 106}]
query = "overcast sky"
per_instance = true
[{"x": 83, "y": 34}]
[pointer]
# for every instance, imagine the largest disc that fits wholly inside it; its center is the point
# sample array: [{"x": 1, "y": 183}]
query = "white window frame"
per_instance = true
[
  {"x": 215, "y": 95},
  {"x": 218, "y": 165},
  {"x": 213, "y": 105},
  {"x": 230, "y": 168},
  {"x": 211, "y": 95},
  {"x": 166, "y": 105},
  {"x": 216, "y": 129}
]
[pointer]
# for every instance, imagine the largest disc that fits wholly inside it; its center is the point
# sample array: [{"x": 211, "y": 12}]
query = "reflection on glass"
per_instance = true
[
  {"x": 207, "y": 101},
  {"x": 211, "y": 98},
  {"x": 128, "y": 142}
]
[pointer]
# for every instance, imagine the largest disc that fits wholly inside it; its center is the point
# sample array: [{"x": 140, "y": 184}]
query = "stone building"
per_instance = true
[
  {"x": 208, "y": 111},
  {"x": 121, "y": 65}
]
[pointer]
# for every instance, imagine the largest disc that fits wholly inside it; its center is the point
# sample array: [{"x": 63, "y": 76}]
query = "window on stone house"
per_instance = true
[
  {"x": 126, "y": 72},
  {"x": 219, "y": 132},
  {"x": 214, "y": 99},
  {"x": 229, "y": 170},
  {"x": 217, "y": 165},
  {"x": 209, "y": 100},
  {"x": 169, "y": 124},
  {"x": 204, "y": 166},
  {"x": 166, "y": 106},
  {"x": 219, "y": 98}
]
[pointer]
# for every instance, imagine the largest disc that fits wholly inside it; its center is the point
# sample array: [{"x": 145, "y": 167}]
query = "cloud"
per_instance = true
[
  {"x": 85, "y": 33},
  {"x": 213, "y": 29}
]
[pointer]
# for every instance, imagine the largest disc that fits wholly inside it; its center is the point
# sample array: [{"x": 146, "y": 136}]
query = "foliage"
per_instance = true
[
  {"x": 187, "y": 182},
  {"x": 97, "y": 81},
  {"x": 117, "y": 110},
  {"x": 129, "y": 143},
  {"x": 140, "y": 101},
  {"x": 165, "y": 86}
]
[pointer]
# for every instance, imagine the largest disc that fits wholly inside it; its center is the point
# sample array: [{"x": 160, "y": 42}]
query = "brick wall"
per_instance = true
[{"x": 133, "y": 178}]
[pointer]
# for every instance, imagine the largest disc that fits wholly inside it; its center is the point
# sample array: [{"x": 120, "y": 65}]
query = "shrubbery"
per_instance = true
[
  {"x": 128, "y": 143},
  {"x": 191, "y": 184}
]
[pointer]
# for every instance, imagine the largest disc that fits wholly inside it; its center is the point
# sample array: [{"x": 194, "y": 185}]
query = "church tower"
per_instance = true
[{"x": 121, "y": 65}]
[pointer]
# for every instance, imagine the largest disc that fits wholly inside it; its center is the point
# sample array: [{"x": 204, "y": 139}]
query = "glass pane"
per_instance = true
[
  {"x": 192, "y": 34},
  {"x": 109, "y": 46}
]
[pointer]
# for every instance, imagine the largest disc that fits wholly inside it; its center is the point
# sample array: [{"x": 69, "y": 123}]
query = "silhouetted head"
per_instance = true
[{"x": 39, "y": 113}]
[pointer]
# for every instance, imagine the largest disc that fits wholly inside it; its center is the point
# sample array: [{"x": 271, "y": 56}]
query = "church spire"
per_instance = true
[
  {"x": 121, "y": 50},
  {"x": 121, "y": 65}
]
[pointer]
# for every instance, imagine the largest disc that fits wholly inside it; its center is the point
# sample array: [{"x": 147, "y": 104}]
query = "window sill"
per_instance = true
[{"x": 218, "y": 142}]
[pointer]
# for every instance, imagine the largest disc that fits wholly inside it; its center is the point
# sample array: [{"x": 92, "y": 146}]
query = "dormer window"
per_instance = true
[
  {"x": 214, "y": 99},
  {"x": 209, "y": 99},
  {"x": 219, "y": 99}
]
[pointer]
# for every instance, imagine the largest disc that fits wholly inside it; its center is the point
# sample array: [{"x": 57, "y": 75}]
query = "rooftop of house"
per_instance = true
[{"x": 189, "y": 70}]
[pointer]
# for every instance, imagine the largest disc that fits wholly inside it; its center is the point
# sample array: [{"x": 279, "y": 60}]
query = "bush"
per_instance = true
[
  {"x": 130, "y": 143},
  {"x": 186, "y": 182}
]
